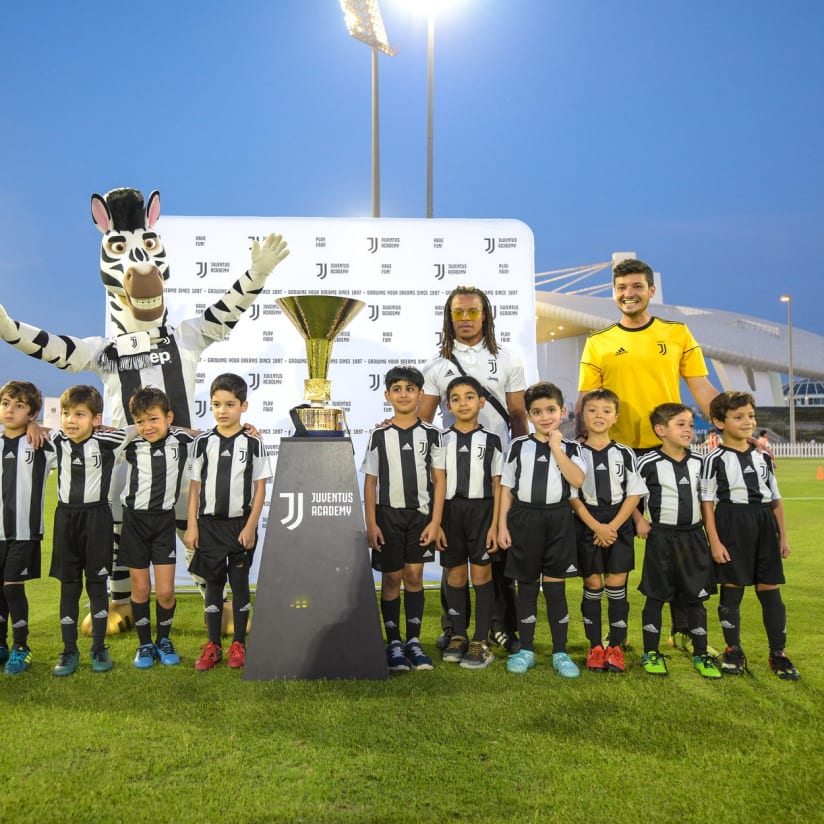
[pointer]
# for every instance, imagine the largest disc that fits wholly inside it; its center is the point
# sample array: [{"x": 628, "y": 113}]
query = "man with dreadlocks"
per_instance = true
[{"x": 469, "y": 347}]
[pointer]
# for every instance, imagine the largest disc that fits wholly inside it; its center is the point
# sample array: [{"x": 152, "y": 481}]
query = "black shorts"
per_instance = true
[
  {"x": 218, "y": 548},
  {"x": 83, "y": 542},
  {"x": 677, "y": 565},
  {"x": 543, "y": 542},
  {"x": 19, "y": 560},
  {"x": 466, "y": 522},
  {"x": 401, "y": 530},
  {"x": 147, "y": 537},
  {"x": 599, "y": 560},
  {"x": 750, "y": 534}
]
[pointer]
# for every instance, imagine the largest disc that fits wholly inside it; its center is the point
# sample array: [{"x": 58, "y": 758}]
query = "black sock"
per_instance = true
[
  {"x": 241, "y": 600},
  {"x": 557, "y": 613},
  {"x": 729, "y": 614},
  {"x": 99, "y": 608},
  {"x": 617, "y": 614},
  {"x": 391, "y": 614},
  {"x": 18, "y": 606},
  {"x": 651, "y": 624},
  {"x": 774, "y": 614},
  {"x": 142, "y": 621},
  {"x": 214, "y": 610},
  {"x": 163, "y": 618},
  {"x": 526, "y": 604},
  {"x": 4, "y": 617},
  {"x": 413, "y": 603},
  {"x": 456, "y": 603},
  {"x": 69, "y": 611},
  {"x": 591, "y": 613},
  {"x": 697, "y": 622},
  {"x": 484, "y": 597}
]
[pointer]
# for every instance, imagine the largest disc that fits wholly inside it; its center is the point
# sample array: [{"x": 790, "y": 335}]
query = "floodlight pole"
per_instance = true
[
  {"x": 789, "y": 301},
  {"x": 376, "y": 138},
  {"x": 430, "y": 72}
]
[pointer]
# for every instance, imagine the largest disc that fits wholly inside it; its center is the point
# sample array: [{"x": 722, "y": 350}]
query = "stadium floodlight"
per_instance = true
[
  {"x": 789, "y": 301},
  {"x": 364, "y": 22}
]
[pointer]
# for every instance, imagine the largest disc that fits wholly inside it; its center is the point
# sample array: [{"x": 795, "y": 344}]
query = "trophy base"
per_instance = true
[{"x": 317, "y": 421}]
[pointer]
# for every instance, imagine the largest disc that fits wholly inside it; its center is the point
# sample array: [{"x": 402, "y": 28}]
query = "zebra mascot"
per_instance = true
[{"x": 147, "y": 350}]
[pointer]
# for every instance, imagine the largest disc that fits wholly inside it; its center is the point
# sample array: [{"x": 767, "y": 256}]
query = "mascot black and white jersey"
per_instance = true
[{"x": 148, "y": 350}]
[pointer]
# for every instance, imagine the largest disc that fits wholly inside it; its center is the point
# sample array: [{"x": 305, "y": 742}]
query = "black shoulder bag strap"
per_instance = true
[{"x": 496, "y": 404}]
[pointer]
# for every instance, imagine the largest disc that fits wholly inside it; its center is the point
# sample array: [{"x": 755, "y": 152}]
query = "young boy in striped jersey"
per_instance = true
[
  {"x": 23, "y": 473},
  {"x": 83, "y": 542},
  {"x": 470, "y": 520},
  {"x": 155, "y": 466},
  {"x": 744, "y": 519},
  {"x": 677, "y": 562},
  {"x": 611, "y": 492},
  {"x": 536, "y": 526},
  {"x": 226, "y": 497},
  {"x": 403, "y": 495}
]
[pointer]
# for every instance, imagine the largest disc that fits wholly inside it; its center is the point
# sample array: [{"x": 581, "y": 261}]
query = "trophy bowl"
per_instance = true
[{"x": 319, "y": 319}]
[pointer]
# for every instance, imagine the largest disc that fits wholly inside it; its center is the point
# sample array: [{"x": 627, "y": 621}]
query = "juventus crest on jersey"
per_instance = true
[
  {"x": 84, "y": 470},
  {"x": 611, "y": 475},
  {"x": 533, "y": 474},
  {"x": 155, "y": 471},
  {"x": 473, "y": 459}
]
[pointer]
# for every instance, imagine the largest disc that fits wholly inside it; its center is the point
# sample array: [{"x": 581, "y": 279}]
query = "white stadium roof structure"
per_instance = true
[{"x": 747, "y": 353}]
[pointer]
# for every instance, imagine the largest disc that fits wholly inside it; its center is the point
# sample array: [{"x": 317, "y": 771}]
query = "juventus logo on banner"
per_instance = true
[
  {"x": 202, "y": 269},
  {"x": 254, "y": 311},
  {"x": 440, "y": 271},
  {"x": 254, "y": 380},
  {"x": 374, "y": 381},
  {"x": 373, "y": 245},
  {"x": 200, "y": 408},
  {"x": 294, "y": 513},
  {"x": 490, "y": 245},
  {"x": 374, "y": 313},
  {"x": 323, "y": 269}
]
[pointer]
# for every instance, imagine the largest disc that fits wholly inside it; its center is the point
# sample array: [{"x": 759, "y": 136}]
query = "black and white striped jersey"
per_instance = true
[
  {"x": 227, "y": 469},
  {"x": 472, "y": 459},
  {"x": 739, "y": 477},
  {"x": 84, "y": 470},
  {"x": 532, "y": 472},
  {"x": 612, "y": 475},
  {"x": 155, "y": 471},
  {"x": 23, "y": 473},
  {"x": 402, "y": 460},
  {"x": 673, "y": 488}
]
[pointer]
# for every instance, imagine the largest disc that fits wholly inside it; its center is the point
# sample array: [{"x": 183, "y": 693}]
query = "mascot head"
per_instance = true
[{"x": 133, "y": 265}]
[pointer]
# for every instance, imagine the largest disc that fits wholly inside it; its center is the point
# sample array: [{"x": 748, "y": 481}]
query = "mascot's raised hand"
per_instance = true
[
  {"x": 265, "y": 258},
  {"x": 146, "y": 349}
]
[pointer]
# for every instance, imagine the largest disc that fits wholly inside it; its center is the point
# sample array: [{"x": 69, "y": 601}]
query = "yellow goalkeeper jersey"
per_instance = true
[{"x": 644, "y": 368}]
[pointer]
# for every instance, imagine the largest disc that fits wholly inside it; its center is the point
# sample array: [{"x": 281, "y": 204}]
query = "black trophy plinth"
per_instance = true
[{"x": 316, "y": 613}]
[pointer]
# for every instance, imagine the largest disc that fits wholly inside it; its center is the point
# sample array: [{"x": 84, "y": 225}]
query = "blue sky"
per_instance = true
[{"x": 687, "y": 132}]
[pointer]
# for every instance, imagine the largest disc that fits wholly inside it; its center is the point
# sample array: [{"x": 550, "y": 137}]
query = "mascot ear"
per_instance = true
[
  {"x": 153, "y": 209},
  {"x": 101, "y": 215}
]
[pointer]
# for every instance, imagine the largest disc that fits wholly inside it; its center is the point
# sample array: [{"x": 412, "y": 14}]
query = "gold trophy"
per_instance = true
[{"x": 319, "y": 319}]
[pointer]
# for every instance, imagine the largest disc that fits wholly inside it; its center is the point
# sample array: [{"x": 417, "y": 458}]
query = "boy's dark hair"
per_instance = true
[
  {"x": 665, "y": 412},
  {"x": 229, "y": 382},
  {"x": 541, "y": 390},
  {"x": 633, "y": 266},
  {"x": 465, "y": 380},
  {"x": 487, "y": 329},
  {"x": 23, "y": 391},
  {"x": 602, "y": 394},
  {"x": 724, "y": 403},
  {"x": 146, "y": 397},
  {"x": 403, "y": 373},
  {"x": 88, "y": 396}
]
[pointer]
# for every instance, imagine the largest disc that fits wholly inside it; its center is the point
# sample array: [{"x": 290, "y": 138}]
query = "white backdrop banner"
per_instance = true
[{"x": 403, "y": 270}]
